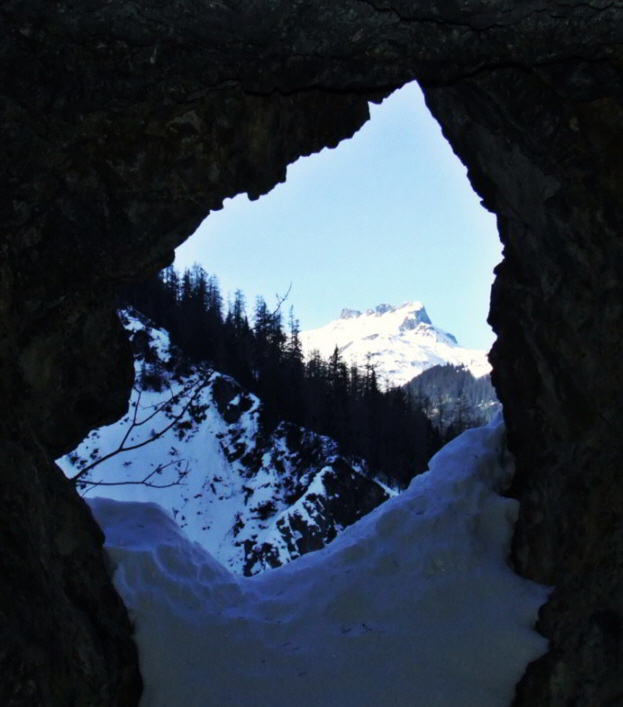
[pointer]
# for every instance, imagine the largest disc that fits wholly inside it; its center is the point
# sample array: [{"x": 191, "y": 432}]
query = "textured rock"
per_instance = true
[
  {"x": 63, "y": 629},
  {"x": 315, "y": 519},
  {"x": 556, "y": 308},
  {"x": 124, "y": 124}
]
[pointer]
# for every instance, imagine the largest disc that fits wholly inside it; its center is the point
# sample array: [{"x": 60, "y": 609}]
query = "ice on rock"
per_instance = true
[{"x": 413, "y": 606}]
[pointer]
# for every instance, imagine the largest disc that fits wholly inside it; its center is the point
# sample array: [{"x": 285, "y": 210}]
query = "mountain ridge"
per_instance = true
[
  {"x": 400, "y": 341},
  {"x": 254, "y": 499}
]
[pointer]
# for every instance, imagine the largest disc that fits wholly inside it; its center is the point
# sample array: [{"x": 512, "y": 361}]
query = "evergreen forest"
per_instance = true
[
  {"x": 453, "y": 399},
  {"x": 389, "y": 429}
]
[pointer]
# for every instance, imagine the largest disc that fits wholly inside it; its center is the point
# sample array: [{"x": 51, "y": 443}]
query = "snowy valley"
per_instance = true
[
  {"x": 408, "y": 599},
  {"x": 413, "y": 606}
]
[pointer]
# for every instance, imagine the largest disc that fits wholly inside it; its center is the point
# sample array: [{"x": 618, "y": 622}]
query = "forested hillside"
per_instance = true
[
  {"x": 389, "y": 429},
  {"x": 453, "y": 399}
]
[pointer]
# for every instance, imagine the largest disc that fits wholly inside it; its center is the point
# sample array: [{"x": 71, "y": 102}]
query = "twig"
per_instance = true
[
  {"x": 144, "y": 482},
  {"x": 134, "y": 424},
  {"x": 280, "y": 300}
]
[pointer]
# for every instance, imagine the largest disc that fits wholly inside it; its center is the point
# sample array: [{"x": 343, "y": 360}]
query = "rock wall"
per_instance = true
[
  {"x": 549, "y": 161},
  {"x": 124, "y": 124},
  {"x": 64, "y": 633}
]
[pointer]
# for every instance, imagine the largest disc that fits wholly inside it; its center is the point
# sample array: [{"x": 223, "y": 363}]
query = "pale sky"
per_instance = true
[{"x": 387, "y": 216}]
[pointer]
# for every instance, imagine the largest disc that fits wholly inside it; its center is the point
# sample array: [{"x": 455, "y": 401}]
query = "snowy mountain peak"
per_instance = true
[
  {"x": 349, "y": 313},
  {"x": 414, "y": 311},
  {"x": 400, "y": 341}
]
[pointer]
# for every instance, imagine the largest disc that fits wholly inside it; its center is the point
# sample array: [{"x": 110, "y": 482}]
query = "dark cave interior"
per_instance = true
[{"x": 123, "y": 129}]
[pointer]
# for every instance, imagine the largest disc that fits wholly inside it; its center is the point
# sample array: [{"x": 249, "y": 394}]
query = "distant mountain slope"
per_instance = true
[
  {"x": 453, "y": 397},
  {"x": 401, "y": 342},
  {"x": 195, "y": 446}
]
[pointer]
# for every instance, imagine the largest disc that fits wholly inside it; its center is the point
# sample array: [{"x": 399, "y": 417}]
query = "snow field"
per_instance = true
[
  {"x": 413, "y": 606},
  {"x": 197, "y": 470}
]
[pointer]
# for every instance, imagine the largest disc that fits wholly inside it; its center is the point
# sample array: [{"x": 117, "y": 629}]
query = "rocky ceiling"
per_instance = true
[{"x": 124, "y": 123}]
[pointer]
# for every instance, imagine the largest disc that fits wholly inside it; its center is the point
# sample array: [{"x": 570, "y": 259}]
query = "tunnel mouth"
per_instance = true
[{"x": 368, "y": 221}]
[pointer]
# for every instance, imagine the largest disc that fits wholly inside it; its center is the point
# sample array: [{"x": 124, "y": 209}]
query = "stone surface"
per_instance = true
[
  {"x": 556, "y": 309},
  {"x": 123, "y": 124},
  {"x": 64, "y": 633}
]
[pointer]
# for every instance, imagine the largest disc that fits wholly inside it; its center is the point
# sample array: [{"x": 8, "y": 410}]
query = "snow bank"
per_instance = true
[{"x": 413, "y": 606}]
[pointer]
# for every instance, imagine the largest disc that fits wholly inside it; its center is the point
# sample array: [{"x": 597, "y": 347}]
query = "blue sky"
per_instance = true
[{"x": 387, "y": 216}]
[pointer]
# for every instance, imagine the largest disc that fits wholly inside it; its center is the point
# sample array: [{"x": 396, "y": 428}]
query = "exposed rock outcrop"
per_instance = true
[
  {"x": 64, "y": 633},
  {"x": 548, "y": 159},
  {"x": 123, "y": 125}
]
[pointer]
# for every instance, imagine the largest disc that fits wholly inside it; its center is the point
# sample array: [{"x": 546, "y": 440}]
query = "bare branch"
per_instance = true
[
  {"x": 145, "y": 481},
  {"x": 197, "y": 387},
  {"x": 175, "y": 397},
  {"x": 133, "y": 423},
  {"x": 280, "y": 300}
]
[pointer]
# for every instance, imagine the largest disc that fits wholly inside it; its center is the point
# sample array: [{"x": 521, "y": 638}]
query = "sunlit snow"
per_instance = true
[
  {"x": 413, "y": 606},
  {"x": 197, "y": 469},
  {"x": 400, "y": 342}
]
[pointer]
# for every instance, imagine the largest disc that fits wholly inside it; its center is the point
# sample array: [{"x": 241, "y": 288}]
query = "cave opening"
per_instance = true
[
  {"x": 530, "y": 98},
  {"x": 388, "y": 216},
  {"x": 408, "y": 573}
]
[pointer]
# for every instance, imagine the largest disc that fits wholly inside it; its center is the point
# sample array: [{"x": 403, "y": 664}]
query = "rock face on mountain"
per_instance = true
[
  {"x": 399, "y": 341},
  {"x": 122, "y": 126},
  {"x": 193, "y": 442}
]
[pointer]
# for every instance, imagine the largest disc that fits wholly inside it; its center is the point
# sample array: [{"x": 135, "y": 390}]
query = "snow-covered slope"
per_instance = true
[
  {"x": 413, "y": 606},
  {"x": 192, "y": 443},
  {"x": 400, "y": 342}
]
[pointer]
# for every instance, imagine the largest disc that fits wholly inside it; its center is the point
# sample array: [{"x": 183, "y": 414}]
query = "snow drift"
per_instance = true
[
  {"x": 413, "y": 606},
  {"x": 255, "y": 501}
]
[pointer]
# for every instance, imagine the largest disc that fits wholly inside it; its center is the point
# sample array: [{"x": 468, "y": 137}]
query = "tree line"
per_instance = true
[
  {"x": 453, "y": 399},
  {"x": 264, "y": 354}
]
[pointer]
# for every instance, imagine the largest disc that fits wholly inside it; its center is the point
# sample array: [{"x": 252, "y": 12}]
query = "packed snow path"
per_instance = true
[{"x": 413, "y": 606}]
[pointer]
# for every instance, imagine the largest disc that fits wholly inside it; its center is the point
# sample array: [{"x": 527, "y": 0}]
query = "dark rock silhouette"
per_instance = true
[{"x": 123, "y": 126}]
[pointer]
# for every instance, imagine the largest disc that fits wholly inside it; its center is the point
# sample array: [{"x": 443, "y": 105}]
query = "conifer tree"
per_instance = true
[{"x": 345, "y": 403}]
